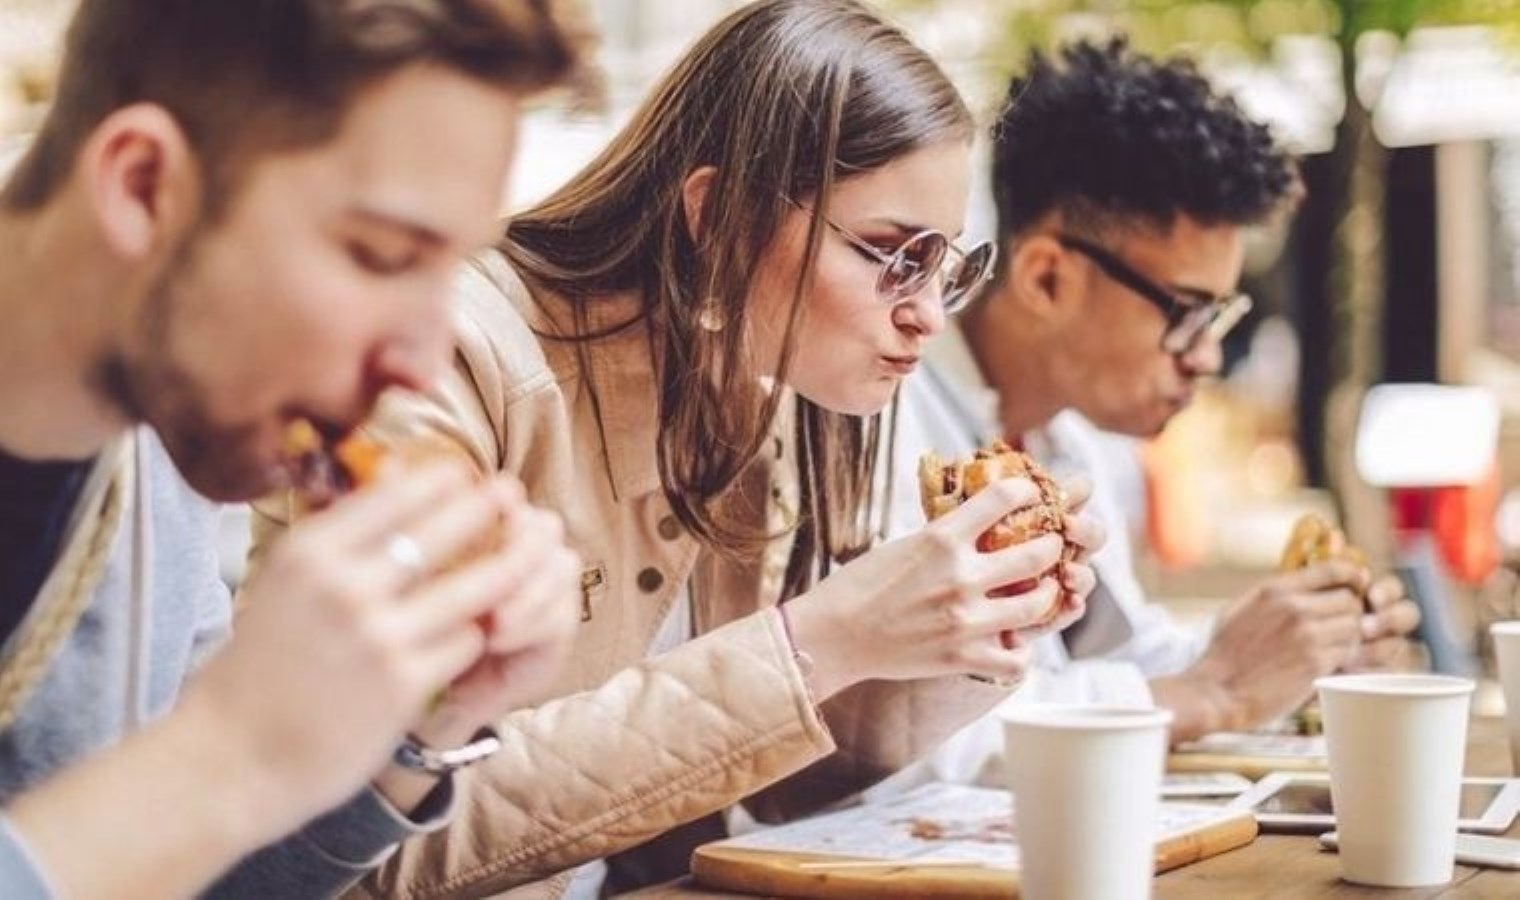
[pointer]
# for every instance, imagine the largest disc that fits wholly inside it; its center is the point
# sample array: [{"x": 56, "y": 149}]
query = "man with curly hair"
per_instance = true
[{"x": 1124, "y": 186}]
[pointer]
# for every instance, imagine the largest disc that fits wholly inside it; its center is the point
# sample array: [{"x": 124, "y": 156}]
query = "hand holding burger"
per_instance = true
[
  {"x": 443, "y": 599},
  {"x": 921, "y": 606},
  {"x": 945, "y": 485}
]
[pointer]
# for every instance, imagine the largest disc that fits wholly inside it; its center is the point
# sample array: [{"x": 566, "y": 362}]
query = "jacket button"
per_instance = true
[
  {"x": 650, "y": 580},
  {"x": 670, "y": 528}
]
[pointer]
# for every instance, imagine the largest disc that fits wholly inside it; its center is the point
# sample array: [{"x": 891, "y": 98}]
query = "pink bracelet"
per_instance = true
[{"x": 800, "y": 656}]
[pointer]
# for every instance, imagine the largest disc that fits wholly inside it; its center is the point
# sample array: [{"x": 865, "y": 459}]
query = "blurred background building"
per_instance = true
[{"x": 1401, "y": 266}]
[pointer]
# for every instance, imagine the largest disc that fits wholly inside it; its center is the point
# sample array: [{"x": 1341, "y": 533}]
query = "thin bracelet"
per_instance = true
[{"x": 801, "y": 657}]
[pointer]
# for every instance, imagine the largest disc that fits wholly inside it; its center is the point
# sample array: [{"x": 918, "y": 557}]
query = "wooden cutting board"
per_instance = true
[
  {"x": 793, "y": 874},
  {"x": 1251, "y": 755},
  {"x": 1252, "y": 767}
]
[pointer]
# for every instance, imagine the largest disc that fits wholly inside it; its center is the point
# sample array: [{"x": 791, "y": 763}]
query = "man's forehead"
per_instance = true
[
  {"x": 443, "y": 197},
  {"x": 1186, "y": 246}
]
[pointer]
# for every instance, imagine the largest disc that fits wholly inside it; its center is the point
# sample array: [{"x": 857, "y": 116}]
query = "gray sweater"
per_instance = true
[{"x": 123, "y": 664}]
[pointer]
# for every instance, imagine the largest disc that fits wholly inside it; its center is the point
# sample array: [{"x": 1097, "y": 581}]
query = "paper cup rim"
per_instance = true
[
  {"x": 1397, "y": 684},
  {"x": 1510, "y": 628},
  {"x": 1087, "y": 717}
]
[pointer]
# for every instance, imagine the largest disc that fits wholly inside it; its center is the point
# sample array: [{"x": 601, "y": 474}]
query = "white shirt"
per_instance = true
[{"x": 1121, "y": 643}]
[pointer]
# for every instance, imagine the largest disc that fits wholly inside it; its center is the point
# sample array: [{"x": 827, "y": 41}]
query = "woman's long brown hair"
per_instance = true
[{"x": 783, "y": 98}]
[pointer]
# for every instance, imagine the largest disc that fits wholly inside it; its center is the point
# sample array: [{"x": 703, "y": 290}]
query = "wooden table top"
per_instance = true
[{"x": 1291, "y": 867}]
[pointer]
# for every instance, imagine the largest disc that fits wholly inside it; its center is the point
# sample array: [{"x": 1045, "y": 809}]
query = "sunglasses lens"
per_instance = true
[
  {"x": 969, "y": 275},
  {"x": 912, "y": 265}
]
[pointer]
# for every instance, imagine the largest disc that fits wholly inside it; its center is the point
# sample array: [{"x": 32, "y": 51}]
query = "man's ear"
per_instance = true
[
  {"x": 694, "y": 195},
  {"x": 1036, "y": 271},
  {"x": 142, "y": 180}
]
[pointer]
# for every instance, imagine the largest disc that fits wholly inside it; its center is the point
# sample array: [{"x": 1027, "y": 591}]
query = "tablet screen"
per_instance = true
[{"x": 1298, "y": 798}]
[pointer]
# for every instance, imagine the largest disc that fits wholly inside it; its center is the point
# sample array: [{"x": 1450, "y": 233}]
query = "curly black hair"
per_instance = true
[{"x": 1109, "y": 136}]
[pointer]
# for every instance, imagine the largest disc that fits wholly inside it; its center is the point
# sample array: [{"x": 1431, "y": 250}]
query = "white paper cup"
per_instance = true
[
  {"x": 1087, "y": 787},
  {"x": 1507, "y": 649},
  {"x": 1396, "y": 744}
]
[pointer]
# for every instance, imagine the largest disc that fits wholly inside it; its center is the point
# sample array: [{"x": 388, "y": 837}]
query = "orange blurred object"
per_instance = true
[
  {"x": 1176, "y": 515},
  {"x": 361, "y": 458},
  {"x": 1461, "y": 518}
]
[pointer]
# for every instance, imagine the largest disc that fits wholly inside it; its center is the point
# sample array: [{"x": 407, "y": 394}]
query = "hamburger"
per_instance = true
[
  {"x": 944, "y": 485},
  {"x": 1315, "y": 540},
  {"x": 322, "y": 471}
]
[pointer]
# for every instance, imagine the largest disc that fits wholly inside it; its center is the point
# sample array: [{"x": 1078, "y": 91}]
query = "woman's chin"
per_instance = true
[{"x": 861, "y": 400}]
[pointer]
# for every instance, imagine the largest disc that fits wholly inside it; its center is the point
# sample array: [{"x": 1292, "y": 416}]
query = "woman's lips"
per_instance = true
[{"x": 900, "y": 365}]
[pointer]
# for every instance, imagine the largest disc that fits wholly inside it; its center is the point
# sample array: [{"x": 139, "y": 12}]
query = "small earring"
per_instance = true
[{"x": 711, "y": 318}]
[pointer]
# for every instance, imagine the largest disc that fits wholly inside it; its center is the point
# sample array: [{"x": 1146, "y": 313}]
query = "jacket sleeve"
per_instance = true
[
  {"x": 660, "y": 743},
  {"x": 880, "y": 727},
  {"x": 319, "y": 861},
  {"x": 21, "y": 878},
  {"x": 333, "y": 852}
]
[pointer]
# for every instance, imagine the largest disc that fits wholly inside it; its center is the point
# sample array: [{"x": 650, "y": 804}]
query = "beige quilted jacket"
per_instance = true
[{"x": 630, "y": 748}]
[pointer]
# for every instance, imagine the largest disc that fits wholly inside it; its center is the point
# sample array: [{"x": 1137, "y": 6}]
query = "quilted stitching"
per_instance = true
[{"x": 734, "y": 760}]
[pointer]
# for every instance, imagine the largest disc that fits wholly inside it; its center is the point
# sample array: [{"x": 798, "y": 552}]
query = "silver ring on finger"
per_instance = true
[{"x": 403, "y": 550}]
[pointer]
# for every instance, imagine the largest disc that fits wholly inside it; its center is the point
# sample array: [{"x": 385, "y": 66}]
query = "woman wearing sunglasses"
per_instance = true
[{"x": 685, "y": 351}]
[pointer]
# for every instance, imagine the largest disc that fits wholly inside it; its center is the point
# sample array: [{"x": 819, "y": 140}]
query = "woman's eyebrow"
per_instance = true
[{"x": 908, "y": 229}]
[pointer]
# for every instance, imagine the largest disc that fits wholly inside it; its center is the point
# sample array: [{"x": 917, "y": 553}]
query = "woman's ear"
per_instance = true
[{"x": 694, "y": 196}]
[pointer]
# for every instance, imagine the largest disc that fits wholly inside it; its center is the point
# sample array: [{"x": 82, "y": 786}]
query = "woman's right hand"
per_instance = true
[{"x": 918, "y": 606}]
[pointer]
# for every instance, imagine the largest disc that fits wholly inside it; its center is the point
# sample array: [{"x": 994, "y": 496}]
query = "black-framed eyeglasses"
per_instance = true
[
  {"x": 1187, "y": 321},
  {"x": 907, "y": 269}
]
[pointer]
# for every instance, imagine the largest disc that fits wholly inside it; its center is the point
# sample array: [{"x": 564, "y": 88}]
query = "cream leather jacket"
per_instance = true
[{"x": 629, "y": 748}]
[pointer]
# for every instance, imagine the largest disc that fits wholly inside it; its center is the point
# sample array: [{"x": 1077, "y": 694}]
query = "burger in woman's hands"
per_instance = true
[{"x": 944, "y": 485}]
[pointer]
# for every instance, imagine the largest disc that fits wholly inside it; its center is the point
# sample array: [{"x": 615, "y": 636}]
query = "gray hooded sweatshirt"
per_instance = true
[{"x": 159, "y": 609}]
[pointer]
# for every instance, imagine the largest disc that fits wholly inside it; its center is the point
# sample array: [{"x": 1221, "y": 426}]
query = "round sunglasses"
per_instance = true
[{"x": 909, "y": 267}]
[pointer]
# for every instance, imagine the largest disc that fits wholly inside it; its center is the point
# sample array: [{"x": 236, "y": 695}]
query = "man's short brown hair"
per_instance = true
[{"x": 248, "y": 77}]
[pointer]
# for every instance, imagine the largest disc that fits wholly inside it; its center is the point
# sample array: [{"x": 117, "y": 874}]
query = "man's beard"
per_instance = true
[{"x": 149, "y": 385}]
